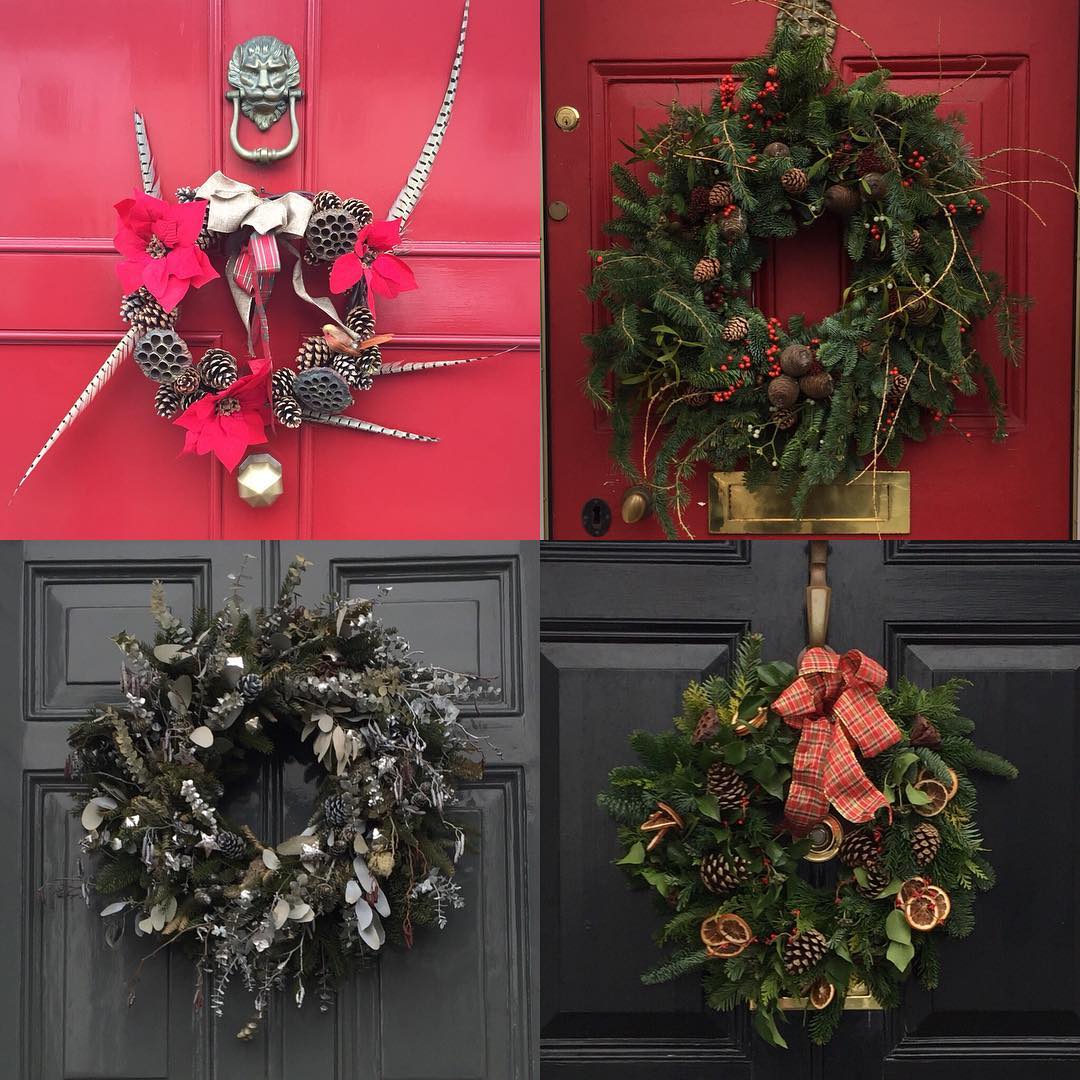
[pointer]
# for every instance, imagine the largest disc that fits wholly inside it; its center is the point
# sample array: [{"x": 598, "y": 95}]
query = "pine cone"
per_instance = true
[
  {"x": 359, "y": 210},
  {"x": 287, "y": 411},
  {"x": 167, "y": 402},
  {"x": 325, "y": 200},
  {"x": 337, "y": 812},
  {"x": 923, "y": 733},
  {"x": 142, "y": 310},
  {"x": 707, "y": 269},
  {"x": 360, "y": 321},
  {"x": 860, "y": 848},
  {"x": 187, "y": 380},
  {"x": 370, "y": 360},
  {"x": 250, "y": 685},
  {"x": 347, "y": 368},
  {"x": 925, "y": 843},
  {"x": 898, "y": 387},
  {"x": 914, "y": 240},
  {"x": 794, "y": 181},
  {"x": 877, "y": 877},
  {"x": 281, "y": 382},
  {"x": 314, "y": 353},
  {"x": 699, "y": 202},
  {"x": 722, "y": 874},
  {"x": 343, "y": 840},
  {"x": 804, "y": 950},
  {"x": 735, "y": 329},
  {"x": 720, "y": 195},
  {"x": 730, "y": 789},
  {"x": 784, "y": 419},
  {"x": 733, "y": 226},
  {"x": 218, "y": 369},
  {"x": 231, "y": 845},
  {"x": 921, "y": 310}
]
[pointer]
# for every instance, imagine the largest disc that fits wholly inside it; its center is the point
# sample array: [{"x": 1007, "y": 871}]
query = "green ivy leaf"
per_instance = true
[
  {"x": 708, "y": 806},
  {"x": 899, "y": 954},
  {"x": 765, "y": 1024},
  {"x": 735, "y": 752},
  {"x": 915, "y": 796},
  {"x": 634, "y": 857}
]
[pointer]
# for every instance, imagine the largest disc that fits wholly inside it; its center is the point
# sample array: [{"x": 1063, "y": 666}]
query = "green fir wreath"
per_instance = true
[
  {"x": 713, "y": 377},
  {"x": 702, "y": 820},
  {"x": 204, "y": 707}
]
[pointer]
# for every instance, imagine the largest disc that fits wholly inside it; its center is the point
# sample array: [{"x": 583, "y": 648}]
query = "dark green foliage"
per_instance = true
[
  {"x": 662, "y": 344},
  {"x": 777, "y": 899}
]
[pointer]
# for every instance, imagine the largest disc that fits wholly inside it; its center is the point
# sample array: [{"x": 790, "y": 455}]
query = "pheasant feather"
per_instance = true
[
  {"x": 124, "y": 348},
  {"x": 431, "y": 365},
  {"x": 147, "y": 166},
  {"x": 351, "y": 422},
  {"x": 414, "y": 185}
]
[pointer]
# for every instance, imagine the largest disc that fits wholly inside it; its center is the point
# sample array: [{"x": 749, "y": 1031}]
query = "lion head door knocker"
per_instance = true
[{"x": 265, "y": 77}]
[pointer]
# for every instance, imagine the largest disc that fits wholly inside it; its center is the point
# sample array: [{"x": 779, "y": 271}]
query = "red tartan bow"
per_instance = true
[{"x": 834, "y": 704}]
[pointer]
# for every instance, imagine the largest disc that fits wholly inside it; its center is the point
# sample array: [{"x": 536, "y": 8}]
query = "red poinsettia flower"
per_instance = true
[
  {"x": 385, "y": 274},
  {"x": 158, "y": 242},
  {"x": 228, "y": 422}
]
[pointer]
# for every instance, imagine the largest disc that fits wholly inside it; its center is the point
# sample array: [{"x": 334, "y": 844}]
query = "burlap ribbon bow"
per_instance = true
[
  {"x": 834, "y": 704},
  {"x": 235, "y": 206}
]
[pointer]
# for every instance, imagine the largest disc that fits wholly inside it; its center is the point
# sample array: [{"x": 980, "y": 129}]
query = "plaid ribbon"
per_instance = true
[
  {"x": 253, "y": 271},
  {"x": 834, "y": 704}
]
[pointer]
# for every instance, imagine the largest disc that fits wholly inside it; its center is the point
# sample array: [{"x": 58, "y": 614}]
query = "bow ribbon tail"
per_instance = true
[
  {"x": 255, "y": 269},
  {"x": 846, "y": 786},
  {"x": 807, "y": 801},
  {"x": 241, "y": 299},
  {"x": 323, "y": 303}
]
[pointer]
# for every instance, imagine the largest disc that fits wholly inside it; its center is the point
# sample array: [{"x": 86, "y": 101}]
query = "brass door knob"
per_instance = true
[{"x": 637, "y": 504}]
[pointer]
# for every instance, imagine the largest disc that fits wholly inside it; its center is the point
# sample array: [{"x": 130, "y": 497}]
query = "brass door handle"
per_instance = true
[{"x": 263, "y": 155}]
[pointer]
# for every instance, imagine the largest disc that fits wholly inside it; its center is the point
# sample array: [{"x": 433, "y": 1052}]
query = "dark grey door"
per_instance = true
[
  {"x": 624, "y": 627},
  {"x": 461, "y": 1007}
]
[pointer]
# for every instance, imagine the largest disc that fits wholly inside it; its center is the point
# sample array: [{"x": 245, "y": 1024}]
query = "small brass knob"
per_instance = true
[
  {"x": 567, "y": 117},
  {"x": 558, "y": 210},
  {"x": 636, "y": 504}
]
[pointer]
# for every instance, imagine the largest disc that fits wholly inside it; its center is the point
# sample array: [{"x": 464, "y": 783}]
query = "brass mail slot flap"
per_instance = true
[
  {"x": 858, "y": 999},
  {"x": 866, "y": 505}
]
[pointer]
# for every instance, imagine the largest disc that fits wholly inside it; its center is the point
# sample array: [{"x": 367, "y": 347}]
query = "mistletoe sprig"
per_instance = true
[
  {"x": 205, "y": 706},
  {"x": 739, "y": 903},
  {"x": 712, "y": 378}
]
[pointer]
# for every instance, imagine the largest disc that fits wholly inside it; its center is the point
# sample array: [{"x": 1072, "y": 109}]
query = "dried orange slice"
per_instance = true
[
  {"x": 938, "y": 794},
  {"x": 726, "y": 935},
  {"x": 822, "y": 994},
  {"x": 910, "y": 889},
  {"x": 942, "y": 903},
  {"x": 921, "y": 912},
  {"x": 954, "y": 784}
]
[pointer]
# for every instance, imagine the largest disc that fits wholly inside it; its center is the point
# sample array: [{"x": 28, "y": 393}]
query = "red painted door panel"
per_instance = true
[
  {"x": 618, "y": 61},
  {"x": 373, "y": 75}
]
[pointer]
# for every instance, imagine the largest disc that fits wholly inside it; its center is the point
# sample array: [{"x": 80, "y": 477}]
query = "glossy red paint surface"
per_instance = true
[
  {"x": 617, "y": 62},
  {"x": 373, "y": 77}
]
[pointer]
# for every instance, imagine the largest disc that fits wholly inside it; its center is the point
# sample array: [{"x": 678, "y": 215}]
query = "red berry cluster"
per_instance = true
[
  {"x": 728, "y": 89},
  {"x": 772, "y": 350},
  {"x": 976, "y": 206},
  {"x": 951, "y": 209},
  {"x": 875, "y": 231},
  {"x": 916, "y": 160}
]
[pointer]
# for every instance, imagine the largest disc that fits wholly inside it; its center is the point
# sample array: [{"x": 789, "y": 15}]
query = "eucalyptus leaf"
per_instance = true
[
  {"x": 899, "y": 954},
  {"x": 896, "y": 927}
]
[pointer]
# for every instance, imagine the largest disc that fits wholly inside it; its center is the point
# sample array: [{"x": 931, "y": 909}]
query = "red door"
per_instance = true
[
  {"x": 373, "y": 77},
  {"x": 618, "y": 61}
]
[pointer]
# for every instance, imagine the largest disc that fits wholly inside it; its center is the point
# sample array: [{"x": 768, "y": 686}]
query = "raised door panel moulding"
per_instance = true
[
  {"x": 983, "y": 553},
  {"x": 470, "y": 981},
  {"x": 713, "y": 552},
  {"x": 1025, "y": 684},
  {"x": 72, "y": 610},
  {"x": 600, "y": 681},
  {"x": 76, "y": 1018},
  {"x": 466, "y": 611}
]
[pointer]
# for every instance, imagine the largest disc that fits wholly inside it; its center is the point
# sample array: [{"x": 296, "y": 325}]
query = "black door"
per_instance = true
[
  {"x": 624, "y": 627},
  {"x": 469, "y": 606}
]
